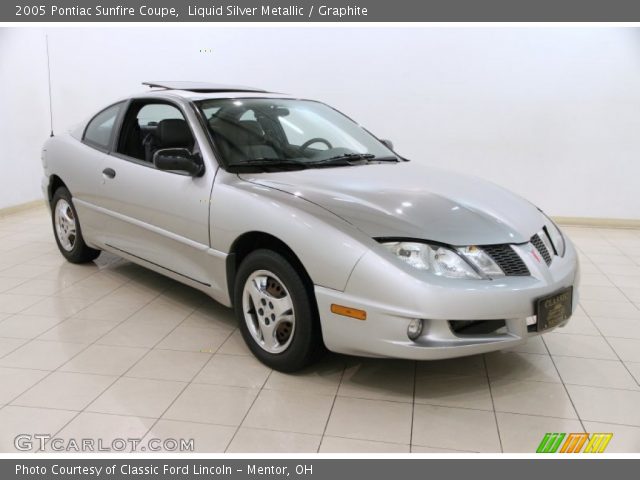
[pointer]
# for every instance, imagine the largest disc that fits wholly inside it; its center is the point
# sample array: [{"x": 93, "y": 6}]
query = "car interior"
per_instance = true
[
  {"x": 240, "y": 139},
  {"x": 149, "y": 127},
  {"x": 244, "y": 131},
  {"x": 240, "y": 132}
]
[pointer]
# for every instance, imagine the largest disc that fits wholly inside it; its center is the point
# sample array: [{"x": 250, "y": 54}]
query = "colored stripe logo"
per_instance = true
[
  {"x": 574, "y": 442},
  {"x": 550, "y": 442},
  {"x": 598, "y": 442}
]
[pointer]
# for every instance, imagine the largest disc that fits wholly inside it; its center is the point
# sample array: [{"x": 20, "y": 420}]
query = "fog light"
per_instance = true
[{"x": 414, "y": 329}]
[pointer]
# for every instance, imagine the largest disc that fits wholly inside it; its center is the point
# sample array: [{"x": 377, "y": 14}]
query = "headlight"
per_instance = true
[
  {"x": 481, "y": 261},
  {"x": 556, "y": 237},
  {"x": 434, "y": 258}
]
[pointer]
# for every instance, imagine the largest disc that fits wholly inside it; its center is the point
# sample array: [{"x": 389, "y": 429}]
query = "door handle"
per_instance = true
[{"x": 109, "y": 172}]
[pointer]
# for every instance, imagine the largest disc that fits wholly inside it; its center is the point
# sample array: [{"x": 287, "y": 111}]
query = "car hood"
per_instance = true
[{"x": 413, "y": 201}]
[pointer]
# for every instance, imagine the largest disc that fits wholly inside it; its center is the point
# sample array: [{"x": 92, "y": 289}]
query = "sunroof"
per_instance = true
[{"x": 202, "y": 87}]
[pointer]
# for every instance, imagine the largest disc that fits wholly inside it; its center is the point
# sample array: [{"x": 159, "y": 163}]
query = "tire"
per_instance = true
[
  {"x": 276, "y": 311},
  {"x": 67, "y": 231}
]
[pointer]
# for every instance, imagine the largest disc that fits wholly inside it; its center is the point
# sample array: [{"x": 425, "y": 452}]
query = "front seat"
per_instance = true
[
  {"x": 241, "y": 140},
  {"x": 170, "y": 133}
]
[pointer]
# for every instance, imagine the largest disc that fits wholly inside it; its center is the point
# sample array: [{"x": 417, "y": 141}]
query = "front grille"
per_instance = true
[
  {"x": 542, "y": 248},
  {"x": 507, "y": 259}
]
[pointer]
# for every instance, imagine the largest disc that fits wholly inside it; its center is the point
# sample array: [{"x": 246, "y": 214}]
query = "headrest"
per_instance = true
[
  {"x": 245, "y": 132},
  {"x": 174, "y": 132},
  {"x": 252, "y": 127}
]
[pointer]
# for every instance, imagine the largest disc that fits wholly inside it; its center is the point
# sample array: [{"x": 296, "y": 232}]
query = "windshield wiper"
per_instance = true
[
  {"x": 269, "y": 163},
  {"x": 348, "y": 159},
  {"x": 351, "y": 159},
  {"x": 385, "y": 159},
  {"x": 353, "y": 156}
]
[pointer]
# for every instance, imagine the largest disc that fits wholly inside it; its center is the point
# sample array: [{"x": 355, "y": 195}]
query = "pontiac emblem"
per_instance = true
[{"x": 535, "y": 255}]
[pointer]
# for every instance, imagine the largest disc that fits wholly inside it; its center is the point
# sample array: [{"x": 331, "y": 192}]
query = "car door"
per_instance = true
[
  {"x": 83, "y": 167},
  {"x": 160, "y": 218}
]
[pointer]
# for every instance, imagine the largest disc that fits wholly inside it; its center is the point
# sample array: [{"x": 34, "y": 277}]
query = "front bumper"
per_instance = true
[{"x": 394, "y": 295}]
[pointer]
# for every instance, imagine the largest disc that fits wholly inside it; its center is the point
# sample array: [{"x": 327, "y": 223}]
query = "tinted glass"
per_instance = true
[
  {"x": 153, "y": 113},
  {"x": 151, "y": 126},
  {"x": 98, "y": 132},
  {"x": 285, "y": 130}
]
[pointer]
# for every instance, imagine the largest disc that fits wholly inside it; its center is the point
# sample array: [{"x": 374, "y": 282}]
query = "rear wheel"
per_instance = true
[
  {"x": 276, "y": 312},
  {"x": 66, "y": 229}
]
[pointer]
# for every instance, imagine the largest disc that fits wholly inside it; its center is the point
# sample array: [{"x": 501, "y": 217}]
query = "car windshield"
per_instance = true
[{"x": 267, "y": 134}]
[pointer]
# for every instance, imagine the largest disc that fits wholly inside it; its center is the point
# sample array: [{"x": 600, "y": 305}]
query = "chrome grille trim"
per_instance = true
[
  {"x": 507, "y": 259},
  {"x": 541, "y": 247}
]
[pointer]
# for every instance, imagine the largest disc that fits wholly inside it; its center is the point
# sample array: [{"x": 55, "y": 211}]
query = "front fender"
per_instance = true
[{"x": 327, "y": 246}]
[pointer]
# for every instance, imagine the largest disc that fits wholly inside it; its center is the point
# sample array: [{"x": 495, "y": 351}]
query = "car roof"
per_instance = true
[
  {"x": 202, "y": 87},
  {"x": 205, "y": 90}
]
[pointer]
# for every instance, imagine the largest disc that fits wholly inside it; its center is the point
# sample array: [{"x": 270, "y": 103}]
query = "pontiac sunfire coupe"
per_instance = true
[{"x": 315, "y": 231}]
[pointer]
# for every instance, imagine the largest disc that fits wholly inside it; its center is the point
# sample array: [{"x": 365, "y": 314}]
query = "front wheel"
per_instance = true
[
  {"x": 66, "y": 228},
  {"x": 276, "y": 312}
]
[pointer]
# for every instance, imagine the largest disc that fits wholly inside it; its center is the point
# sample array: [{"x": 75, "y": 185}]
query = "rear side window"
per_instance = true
[{"x": 98, "y": 132}]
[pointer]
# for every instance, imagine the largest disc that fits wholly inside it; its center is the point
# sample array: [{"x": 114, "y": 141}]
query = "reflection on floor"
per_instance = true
[{"x": 111, "y": 350}]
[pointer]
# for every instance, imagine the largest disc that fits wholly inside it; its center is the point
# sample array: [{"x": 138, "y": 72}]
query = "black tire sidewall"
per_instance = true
[
  {"x": 306, "y": 336},
  {"x": 80, "y": 253}
]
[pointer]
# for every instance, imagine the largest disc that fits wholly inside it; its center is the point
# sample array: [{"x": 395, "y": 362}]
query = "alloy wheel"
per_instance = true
[
  {"x": 268, "y": 311},
  {"x": 65, "y": 223}
]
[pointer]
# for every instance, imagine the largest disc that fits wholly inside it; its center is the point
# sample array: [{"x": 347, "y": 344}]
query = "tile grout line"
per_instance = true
[
  {"x": 624, "y": 365},
  {"x": 78, "y": 413},
  {"x": 246, "y": 414},
  {"x": 188, "y": 383},
  {"x": 50, "y": 372},
  {"x": 122, "y": 375},
  {"x": 151, "y": 300},
  {"x": 32, "y": 339},
  {"x": 14, "y": 287},
  {"x": 65, "y": 319},
  {"x": 387, "y": 400},
  {"x": 19, "y": 346},
  {"x": 28, "y": 279},
  {"x": 607, "y": 276},
  {"x": 606, "y": 339},
  {"x": 337, "y": 436},
  {"x": 335, "y": 397},
  {"x": 493, "y": 405},
  {"x": 565, "y": 387}
]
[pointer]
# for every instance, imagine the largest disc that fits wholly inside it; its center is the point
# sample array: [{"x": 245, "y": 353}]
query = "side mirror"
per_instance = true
[
  {"x": 388, "y": 144},
  {"x": 178, "y": 160}
]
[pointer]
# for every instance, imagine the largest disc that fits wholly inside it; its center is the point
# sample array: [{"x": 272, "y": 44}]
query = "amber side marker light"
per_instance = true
[{"x": 348, "y": 312}]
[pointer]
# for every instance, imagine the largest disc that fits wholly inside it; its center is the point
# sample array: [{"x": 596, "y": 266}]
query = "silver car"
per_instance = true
[{"x": 316, "y": 232}]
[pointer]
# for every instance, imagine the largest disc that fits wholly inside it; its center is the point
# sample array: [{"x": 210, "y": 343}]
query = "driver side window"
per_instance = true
[{"x": 150, "y": 126}]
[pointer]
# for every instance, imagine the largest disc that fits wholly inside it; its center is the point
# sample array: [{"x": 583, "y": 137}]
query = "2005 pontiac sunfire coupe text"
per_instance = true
[{"x": 315, "y": 231}]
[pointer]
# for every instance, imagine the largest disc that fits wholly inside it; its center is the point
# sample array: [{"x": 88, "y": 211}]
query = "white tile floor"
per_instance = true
[{"x": 111, "y": 350}]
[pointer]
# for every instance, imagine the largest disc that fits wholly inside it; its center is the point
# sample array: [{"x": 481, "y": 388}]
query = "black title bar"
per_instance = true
[
  {"x": 315, "y": 469},
  {"x": 320, "y": 11}
]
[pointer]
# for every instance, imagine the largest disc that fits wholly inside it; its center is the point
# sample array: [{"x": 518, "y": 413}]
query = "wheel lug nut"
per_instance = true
[
  {"x": 263, "y": 301},
  {"x": 273, "y": 317},
  {"x": 260, "y": 311},
  {"x": 271, "y": 305},
  {"x": 266, "y": 322}
]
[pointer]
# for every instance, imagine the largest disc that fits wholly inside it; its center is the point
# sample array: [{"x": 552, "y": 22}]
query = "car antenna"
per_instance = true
[{"x": 46, "y": 39}]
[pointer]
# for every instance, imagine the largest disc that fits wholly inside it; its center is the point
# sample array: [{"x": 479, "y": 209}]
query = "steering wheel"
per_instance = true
[{"x": 308, "y": 143}]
